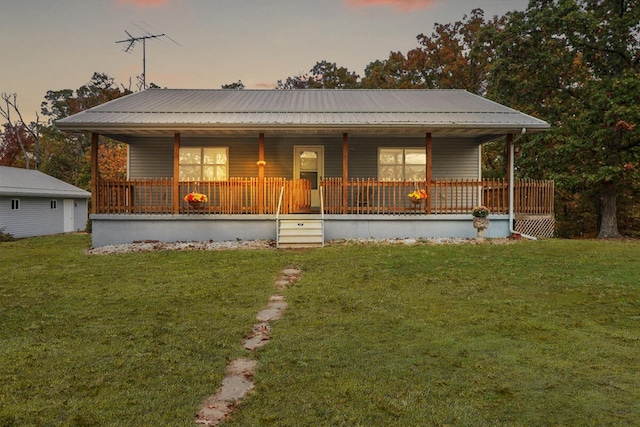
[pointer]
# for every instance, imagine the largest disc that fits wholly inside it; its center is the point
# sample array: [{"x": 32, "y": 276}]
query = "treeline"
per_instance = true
[{"x": 573, "y": 63}]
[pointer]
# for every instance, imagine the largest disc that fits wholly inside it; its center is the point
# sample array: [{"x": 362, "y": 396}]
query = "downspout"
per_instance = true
[{"x": 511, "y": 188}]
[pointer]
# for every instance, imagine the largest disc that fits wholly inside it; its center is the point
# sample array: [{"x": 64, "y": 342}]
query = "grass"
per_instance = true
[{"x": 535, "y": 333}]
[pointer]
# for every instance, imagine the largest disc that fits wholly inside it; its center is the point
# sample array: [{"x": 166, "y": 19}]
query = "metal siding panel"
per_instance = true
[
  {"x": 151, "y": 158},
  {"x": 34, "y": 218},
  {"x": 455, "y": 159}
]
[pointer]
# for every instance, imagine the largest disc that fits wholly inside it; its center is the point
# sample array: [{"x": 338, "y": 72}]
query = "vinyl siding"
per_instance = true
[
  {"x": 153, "y": 157},
  {"x": 34, "y": 218}
]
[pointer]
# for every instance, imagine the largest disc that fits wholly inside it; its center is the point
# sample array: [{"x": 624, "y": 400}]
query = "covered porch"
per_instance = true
[{"x": 371, "y": 148}]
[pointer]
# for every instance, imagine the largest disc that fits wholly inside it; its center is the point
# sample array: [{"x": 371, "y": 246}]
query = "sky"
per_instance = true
[{"x": 54, "y": 45}]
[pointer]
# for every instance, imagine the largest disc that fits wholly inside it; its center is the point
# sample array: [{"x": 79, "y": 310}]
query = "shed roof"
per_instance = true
[
  {"x": 32, "y": 183},
  {"x": 157, "y": 112}
]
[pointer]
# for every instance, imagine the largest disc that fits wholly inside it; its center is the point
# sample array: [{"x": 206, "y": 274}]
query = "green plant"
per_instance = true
[
  {"x": 6, "y": 237},
  {"x": 480, "y": 212}
]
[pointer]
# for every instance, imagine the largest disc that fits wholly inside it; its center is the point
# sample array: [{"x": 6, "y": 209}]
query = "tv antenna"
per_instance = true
[{"x": 133, "y": 40}]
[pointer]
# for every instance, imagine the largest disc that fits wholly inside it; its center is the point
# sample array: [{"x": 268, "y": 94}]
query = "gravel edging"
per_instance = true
[{"x": 152, "y": 246}]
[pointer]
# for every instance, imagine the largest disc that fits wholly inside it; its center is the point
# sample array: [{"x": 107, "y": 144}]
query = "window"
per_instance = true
[
  {"x": 402, "y": 164},
  {"x": 54, "y": 204},
  {"x": 204, "y": 164},
  {"x": 15, "y": 204}
]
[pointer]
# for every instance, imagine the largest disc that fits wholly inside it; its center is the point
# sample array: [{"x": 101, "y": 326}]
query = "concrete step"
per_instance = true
[{"x": 300, "y": 233}]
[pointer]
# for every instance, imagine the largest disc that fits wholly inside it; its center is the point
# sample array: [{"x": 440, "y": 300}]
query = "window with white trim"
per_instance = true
[
  {"x": 54, "y": 204},
  {"x": 15, "y": 204},
  {"x": 402, "y": 164},
  {"x": 204, "y": 163}
]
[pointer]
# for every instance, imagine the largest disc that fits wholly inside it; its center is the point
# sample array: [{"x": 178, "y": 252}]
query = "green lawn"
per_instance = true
[{"x": 530, "y": 334}]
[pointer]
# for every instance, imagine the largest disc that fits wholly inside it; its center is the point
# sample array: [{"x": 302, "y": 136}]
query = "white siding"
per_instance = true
[{"x": 34, "y": 218}]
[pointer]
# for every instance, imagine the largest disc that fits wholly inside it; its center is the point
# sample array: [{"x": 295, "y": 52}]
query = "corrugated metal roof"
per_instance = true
[
  {"x": 299, "y": 111},
  {"x": 26, "y": 182}
]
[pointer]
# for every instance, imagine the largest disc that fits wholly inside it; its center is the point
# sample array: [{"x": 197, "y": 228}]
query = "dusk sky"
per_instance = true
[{"x": 52, "y": 45}]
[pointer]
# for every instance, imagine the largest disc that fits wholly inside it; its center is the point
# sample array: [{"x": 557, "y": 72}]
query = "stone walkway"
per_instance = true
[{"x": 237, "y": 383}]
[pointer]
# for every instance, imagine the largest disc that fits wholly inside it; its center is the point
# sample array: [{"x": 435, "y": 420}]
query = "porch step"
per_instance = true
[{"x": 300, "y": 233}]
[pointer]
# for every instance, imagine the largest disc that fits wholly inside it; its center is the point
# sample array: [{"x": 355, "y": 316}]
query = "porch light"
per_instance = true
[{"x": 261, "y": 163}]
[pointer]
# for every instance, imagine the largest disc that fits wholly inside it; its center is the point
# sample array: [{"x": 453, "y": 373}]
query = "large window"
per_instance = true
[
  {"x": 204, "y": 164},
  {"x": 402, "y": 164}
]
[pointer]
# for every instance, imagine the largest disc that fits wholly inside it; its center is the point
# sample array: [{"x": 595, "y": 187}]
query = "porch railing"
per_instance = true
[
  {"x": 358, "y": 196},
  {"x": 234, "y": 196},
  {"x": 451, "y": 196}
]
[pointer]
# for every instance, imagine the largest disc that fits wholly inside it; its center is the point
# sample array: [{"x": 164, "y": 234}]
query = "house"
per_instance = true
[
  {"x": 33, "y": 204},
  {"x": 305, "y": 166}
]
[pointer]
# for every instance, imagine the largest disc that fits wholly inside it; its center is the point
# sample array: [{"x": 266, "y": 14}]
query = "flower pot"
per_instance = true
[
  {"x": 480, "y": 224},
  {"x": 415, "y": 200},
  {"x": 196, "y": 205}
]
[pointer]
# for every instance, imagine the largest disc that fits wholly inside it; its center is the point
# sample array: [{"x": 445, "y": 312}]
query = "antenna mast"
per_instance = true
[{"x": 132, "y": 41}]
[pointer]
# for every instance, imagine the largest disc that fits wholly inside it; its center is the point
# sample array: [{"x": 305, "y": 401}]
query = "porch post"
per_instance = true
[
  {"x": 94, "y": 172},
  {"x": 428, "y": 177},
  {"x": 176, "y": 173},
  {"x": 509, "y": 172},
  {"x": 261, "y": 164},
  {"x": 345, "y": 171}
]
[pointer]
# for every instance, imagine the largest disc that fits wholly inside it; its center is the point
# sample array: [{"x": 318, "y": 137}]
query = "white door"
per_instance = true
[
  {"x": 68, "y": 209},
  {"x": 308, "y": 163}
]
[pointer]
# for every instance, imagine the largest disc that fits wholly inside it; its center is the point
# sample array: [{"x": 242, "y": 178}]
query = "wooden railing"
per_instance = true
[
  {"x": 361, "y": 196},
  {"x": 234, "y": 196},
  {"x": 369, "y": 196}
]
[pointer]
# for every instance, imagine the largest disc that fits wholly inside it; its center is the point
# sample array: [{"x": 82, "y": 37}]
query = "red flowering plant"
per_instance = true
[{"x": 194, "y": 197}]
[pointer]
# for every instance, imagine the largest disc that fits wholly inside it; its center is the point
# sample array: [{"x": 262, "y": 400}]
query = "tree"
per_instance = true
[
  {"x": 15, "y": 146},
  {"x": 454, "y": 56},
  {"x": 18, "y": 134},
  {"x": 576, "y": 63},
  {"x": 237, "y": 85},
  {"x": 68, "y": 154},
  {"x": 323, "y": 75},
  {"x": 396, "y": 72}
]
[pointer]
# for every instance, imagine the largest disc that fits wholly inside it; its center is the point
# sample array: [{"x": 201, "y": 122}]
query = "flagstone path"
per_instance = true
[{"x": 237, "y": 383}]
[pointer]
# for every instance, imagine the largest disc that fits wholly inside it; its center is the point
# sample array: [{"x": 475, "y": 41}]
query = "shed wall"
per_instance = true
[{"x": 36, "y": 217}]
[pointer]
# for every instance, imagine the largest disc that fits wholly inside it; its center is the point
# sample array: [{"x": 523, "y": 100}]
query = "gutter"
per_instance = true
[{"x": 511, "y": 189}]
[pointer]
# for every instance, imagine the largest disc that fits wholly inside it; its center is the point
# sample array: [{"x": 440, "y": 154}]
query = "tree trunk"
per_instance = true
[{"x": 609, "y": 220}]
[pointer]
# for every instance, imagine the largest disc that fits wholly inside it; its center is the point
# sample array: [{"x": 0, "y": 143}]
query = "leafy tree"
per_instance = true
[
  {"x": 454, "y": 56},
  {"x": 576, "y": 63},
  {"x": 237, "y": 85},
  {"x": 68, "y": 154},
  {"x": 323, "y": 75},
  {"x": 396, "y": 72},
  {"x": 15, "y": 146},
  {"x": 18, "y": 137}
]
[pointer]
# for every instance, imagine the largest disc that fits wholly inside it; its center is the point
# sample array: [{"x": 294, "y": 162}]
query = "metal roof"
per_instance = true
[
  {"x": 32, "y": 183},
  {"x": 155, "y": 112}
]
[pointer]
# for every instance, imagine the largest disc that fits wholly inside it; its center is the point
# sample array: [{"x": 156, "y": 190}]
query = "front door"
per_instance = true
[{"x": 308, "y": 163}]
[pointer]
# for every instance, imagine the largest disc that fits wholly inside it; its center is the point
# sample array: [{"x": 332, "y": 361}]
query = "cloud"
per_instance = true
[
  {"x": 403, "y": 5},
  {"x": 143, "y": 3},
  {"x": 264, "y": 85}
]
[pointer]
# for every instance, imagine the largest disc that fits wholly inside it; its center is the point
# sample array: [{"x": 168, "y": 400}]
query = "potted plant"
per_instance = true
[
  {"x": 480, "y": 220},
  {"x": 417, "y": 196},
  {"x": 195, "y": 199}
]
